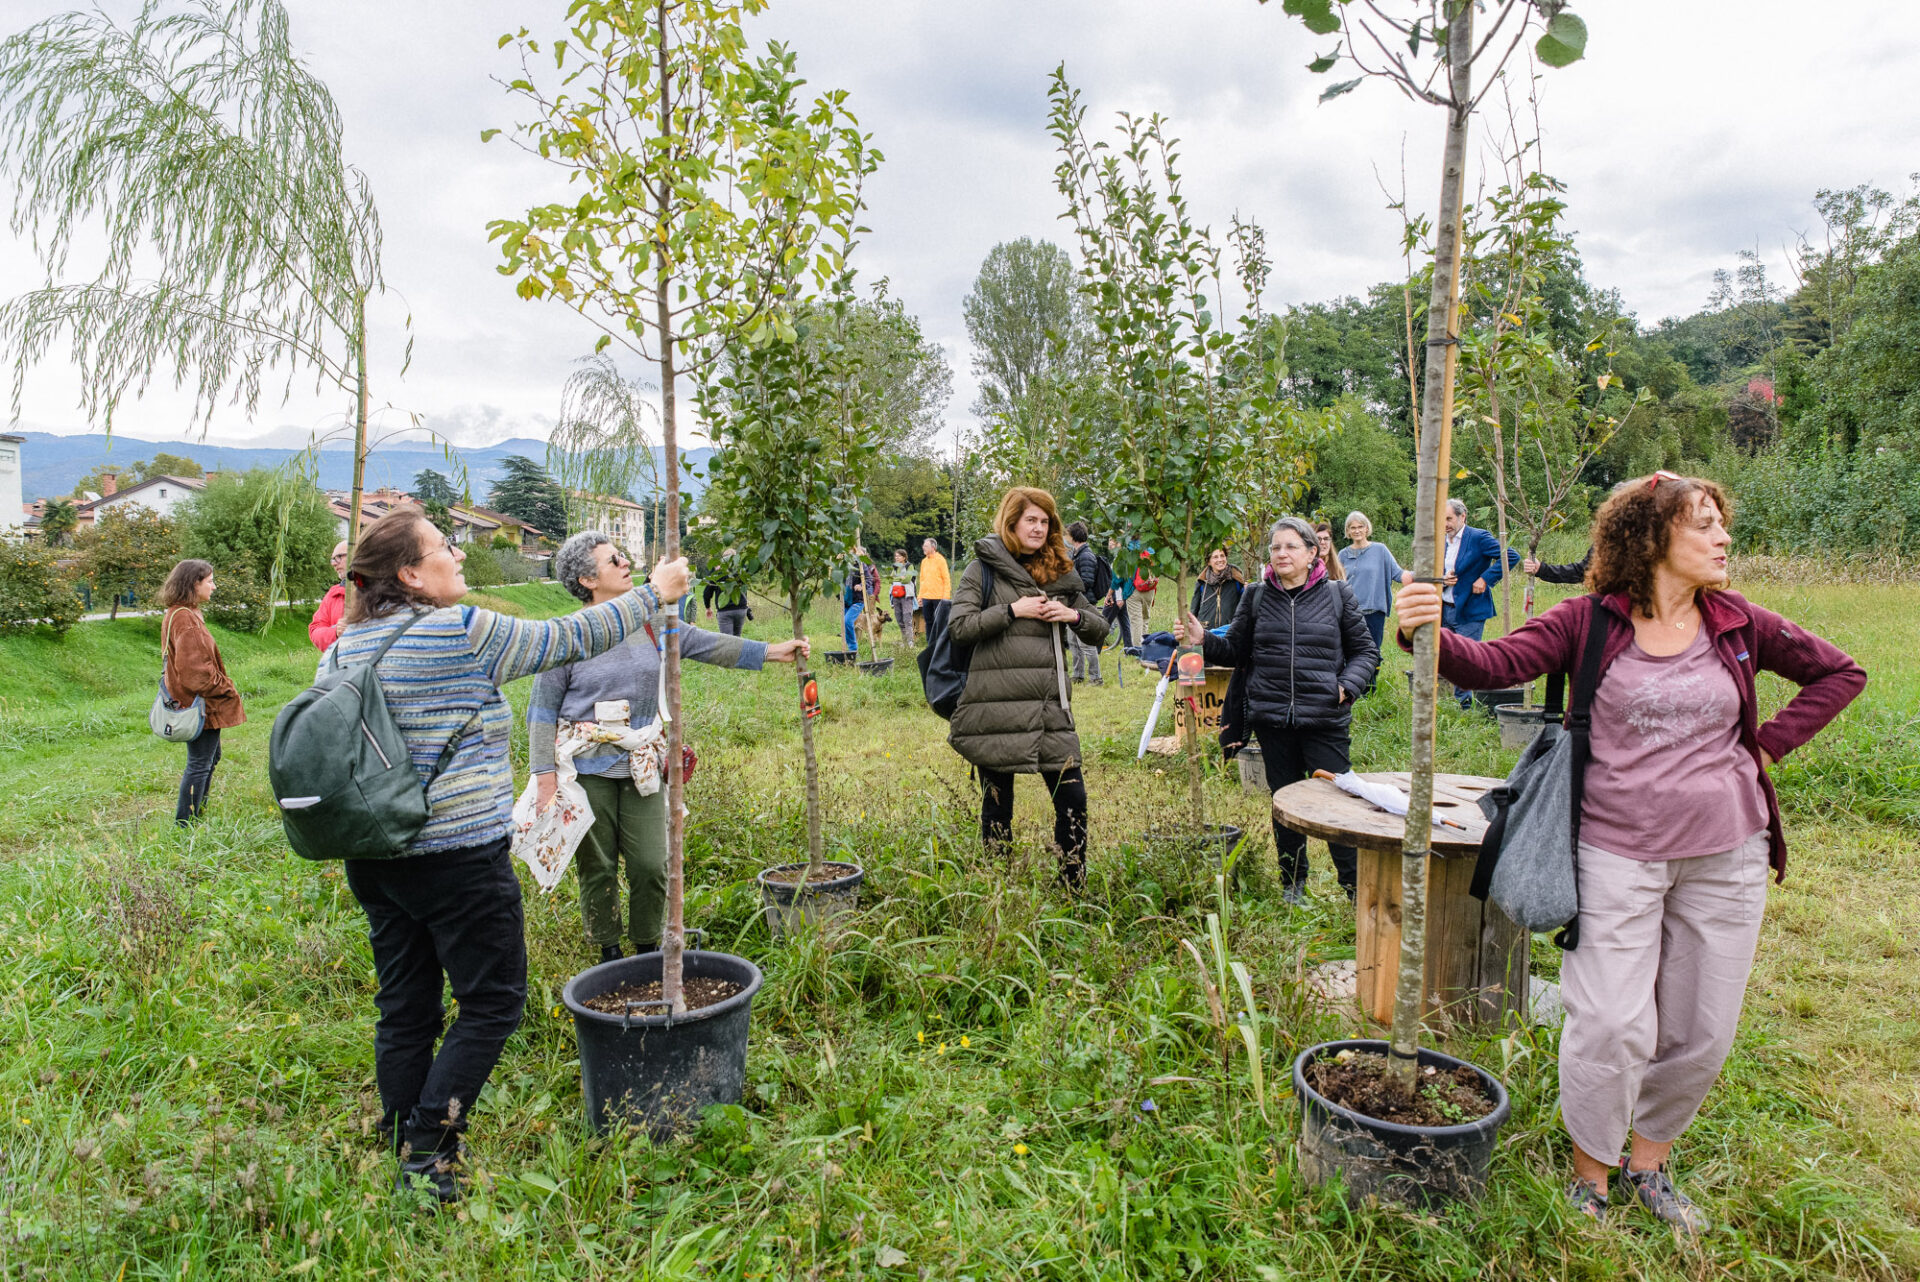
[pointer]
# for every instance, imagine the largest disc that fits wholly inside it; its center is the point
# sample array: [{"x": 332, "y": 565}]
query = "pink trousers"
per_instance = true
[{"x": 1653, "y": 992}]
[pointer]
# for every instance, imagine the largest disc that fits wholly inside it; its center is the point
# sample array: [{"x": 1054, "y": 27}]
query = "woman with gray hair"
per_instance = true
[
  {"x": 629, "y": 829},
  {"x": 1372, "y": 573},
  {"x": 1301, "y": 654}
]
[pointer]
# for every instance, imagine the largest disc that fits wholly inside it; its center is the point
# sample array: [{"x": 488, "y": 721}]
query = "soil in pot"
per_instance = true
[
  {"x": 1358, "y": 1080},
  {"x": 699, "y": 992},
  {"x": 790, "y": 905}
]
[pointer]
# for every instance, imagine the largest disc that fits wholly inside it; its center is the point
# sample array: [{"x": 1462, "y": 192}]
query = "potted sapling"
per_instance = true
[
  {"x": 678, "y": 242},
  {"x": 1391, "y": 1118},
  {"x": 784, "y": 483}
]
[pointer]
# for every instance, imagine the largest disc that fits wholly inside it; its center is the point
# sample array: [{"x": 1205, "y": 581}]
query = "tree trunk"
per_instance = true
[
  {"x": 1429, "y": 553},
  {"x": 1500, "y": 502},
  {"x": 673, "y": 939},
  {"x": 359, "y": 432},
  {"x": 816, "y": 845}
]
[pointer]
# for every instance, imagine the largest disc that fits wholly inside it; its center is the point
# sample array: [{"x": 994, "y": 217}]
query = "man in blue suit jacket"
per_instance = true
[{"x": 1474, "y": 565}]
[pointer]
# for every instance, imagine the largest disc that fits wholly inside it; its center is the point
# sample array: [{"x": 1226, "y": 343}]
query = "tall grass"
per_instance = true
[{"x": 977, "y": 1076}]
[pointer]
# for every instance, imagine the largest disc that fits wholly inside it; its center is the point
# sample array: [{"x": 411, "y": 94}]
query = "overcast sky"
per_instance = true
[{"x": 1693, "y": 130}]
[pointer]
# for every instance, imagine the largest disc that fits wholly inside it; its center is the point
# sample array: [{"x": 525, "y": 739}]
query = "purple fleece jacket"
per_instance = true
[{"x": 1747, "y": 638}]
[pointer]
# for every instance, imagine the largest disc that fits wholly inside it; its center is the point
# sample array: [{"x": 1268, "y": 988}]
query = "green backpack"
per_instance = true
[{"x": 340, "y": 770}]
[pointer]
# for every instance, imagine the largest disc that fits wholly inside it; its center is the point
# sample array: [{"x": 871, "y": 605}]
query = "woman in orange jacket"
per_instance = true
[{"x": 192, "y": 670}]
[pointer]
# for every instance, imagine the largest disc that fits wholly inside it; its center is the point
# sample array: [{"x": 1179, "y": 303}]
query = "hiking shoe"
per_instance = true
[
  {"x": 1588, "y": 1201},
  {"x": 439, "y": 1175},
  {"x": 1656, "y": 1192},
  {"x": 1295, "y": 895},
  {"x": 610, "y": 952}
]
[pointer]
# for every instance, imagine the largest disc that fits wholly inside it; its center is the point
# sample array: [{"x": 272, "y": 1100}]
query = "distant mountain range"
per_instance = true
[{"x": 52, "y": 464}]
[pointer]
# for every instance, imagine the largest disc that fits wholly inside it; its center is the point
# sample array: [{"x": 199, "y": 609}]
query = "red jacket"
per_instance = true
[
  {"x": 1747, "y": 638},
  {"x": 326, "y": 620}
]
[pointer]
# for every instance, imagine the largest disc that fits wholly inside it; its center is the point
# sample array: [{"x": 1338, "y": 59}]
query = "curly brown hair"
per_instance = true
[
  {"x": 1051, "y": 562},
  {"x": 1633, "y": 528}
]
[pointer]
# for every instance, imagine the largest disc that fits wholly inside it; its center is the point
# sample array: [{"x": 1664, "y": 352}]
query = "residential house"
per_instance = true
[{"x": 13, "y": 511}]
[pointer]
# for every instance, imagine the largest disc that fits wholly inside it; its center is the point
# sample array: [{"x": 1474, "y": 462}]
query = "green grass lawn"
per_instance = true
[{"x": 979, "y": 1078}]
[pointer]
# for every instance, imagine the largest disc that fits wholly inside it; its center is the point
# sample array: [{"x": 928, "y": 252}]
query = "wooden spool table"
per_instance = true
[{"x": 1476, "y": 955}]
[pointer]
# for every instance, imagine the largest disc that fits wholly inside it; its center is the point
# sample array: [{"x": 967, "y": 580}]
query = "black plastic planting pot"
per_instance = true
[
  {"x": 1490, "y": 700},
  {"x": 876, "y": 667},
  {"x": 1420, "y": 1166},
  {"x": 789, "y": 905},
  {"x": 1215, "y": 843},
  {"x": 654, "y": 1069},
  {"x": 842, "y": 657}
]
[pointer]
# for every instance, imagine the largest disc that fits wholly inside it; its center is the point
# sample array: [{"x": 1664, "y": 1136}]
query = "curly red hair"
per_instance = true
[
  {"x": 1633, "y": 528},
  {"x": 1051, "y": 562}
]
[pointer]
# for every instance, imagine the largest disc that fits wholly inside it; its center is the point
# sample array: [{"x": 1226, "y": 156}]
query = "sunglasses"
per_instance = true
[{"x": 1653, "y": 482}]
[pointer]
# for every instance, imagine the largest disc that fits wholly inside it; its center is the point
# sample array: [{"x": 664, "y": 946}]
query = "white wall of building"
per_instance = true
[{"x": 13, "y": 515}]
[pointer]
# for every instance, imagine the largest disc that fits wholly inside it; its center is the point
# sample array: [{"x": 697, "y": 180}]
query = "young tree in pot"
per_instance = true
[
  {"x": 1172, "y": 431},
  {"x": 702, "y": 177},
  {"x": 784, "y": 487},
  {"x": 1370, "y": 43}
]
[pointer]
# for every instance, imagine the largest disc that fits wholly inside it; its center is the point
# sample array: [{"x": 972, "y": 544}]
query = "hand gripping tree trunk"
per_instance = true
[{"x": 1429, "y": 554}]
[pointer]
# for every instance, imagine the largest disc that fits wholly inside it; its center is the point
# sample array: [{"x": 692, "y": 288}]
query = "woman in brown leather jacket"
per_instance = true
[{"x": 193, "y": 670}]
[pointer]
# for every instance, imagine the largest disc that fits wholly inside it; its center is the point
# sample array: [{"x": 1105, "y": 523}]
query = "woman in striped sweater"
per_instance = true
[{"x": 449, "y": 912}]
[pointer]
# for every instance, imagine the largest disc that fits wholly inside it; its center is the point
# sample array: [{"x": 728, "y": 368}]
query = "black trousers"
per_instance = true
[
  {"x": 929, "y": 611},
  {"x": 1118, "y": 614},
  {"x": 1291, "y": 755},
  {"x": 203, "y": 754},
  {"x": 451, "y": 918},
  {"x": 1069, "y": 791}
]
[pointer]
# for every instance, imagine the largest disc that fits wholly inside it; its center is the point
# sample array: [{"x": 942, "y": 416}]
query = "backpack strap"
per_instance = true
[
  {"x": 1579, "y": 723},
  {"x": 446, "y": 752}
]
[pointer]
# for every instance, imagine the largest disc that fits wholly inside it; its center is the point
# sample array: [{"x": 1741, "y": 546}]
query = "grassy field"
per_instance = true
[{"x": 981, "y": 1078}]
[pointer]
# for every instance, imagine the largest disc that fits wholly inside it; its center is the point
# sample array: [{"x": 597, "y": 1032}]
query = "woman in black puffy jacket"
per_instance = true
[{"x": 1301, "y": 654}]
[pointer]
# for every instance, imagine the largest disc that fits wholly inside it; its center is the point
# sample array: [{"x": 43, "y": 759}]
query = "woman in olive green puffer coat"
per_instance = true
[{"x": 1016, "y": 716}]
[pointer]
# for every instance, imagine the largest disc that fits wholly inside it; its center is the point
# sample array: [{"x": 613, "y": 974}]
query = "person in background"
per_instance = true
[
  {"x": 193, "y": 670},
  {"x": 724, "y": 589},
  {"x": 1373, "y": 574},
  {"x": 629, "y": 830},
  {"x": 1323, "y": 534},
  {"x": 1473, "y": 566},
  {"x": 1086, "y": 565},
  {"x": 1015, "y": 716},
  {"x": 934, "y": 587},
  {"x": 333, "y": 606},
  {"x": 1114, "y": 608},
  {"x": 1140, "y": 603},
  {"x": 446, "y": 914},
  {"x": 1570, "y": 572},
  {"x": 1678, "y": 820},
  {"x": 900, "y": 592},
  {"x": 1216, "y": 594},
  {"x": 854, "y": 595},
  {"x": 1300, "y": 654}
]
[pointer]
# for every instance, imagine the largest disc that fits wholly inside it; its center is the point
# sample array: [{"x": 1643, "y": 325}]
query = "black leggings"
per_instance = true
[
  {"x": 1118, "y": 614},
  {"x": 1069, "y": 790},
  {"x": 203, "y": 754}
]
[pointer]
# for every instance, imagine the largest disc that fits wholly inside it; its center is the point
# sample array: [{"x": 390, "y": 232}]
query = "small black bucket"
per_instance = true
[
  {"x": 877, "y": 667},
  {"x": 843, "y": 658},
  {"x": 1419, "y": 1166},
  {"x": 1216, "y": 843},
  {"x": 1489, "y": 700},
  {"x": 657, "y": 1069},
  {"x": 789, "y": 908}
]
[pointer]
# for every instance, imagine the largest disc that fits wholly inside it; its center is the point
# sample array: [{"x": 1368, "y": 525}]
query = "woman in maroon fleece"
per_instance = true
[{"x": 1678, "y": 821}]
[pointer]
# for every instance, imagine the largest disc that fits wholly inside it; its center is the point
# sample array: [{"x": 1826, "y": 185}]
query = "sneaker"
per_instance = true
[
  {"x": 1295, "y": 895},
  {"x": 1656, "y": 1192},
  {"x": 1587, "y": 1200},
  {"x": 610, "y": 952}
]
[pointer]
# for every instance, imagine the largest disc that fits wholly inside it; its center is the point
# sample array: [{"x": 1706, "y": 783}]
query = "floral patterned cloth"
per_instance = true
[{"x": 547, "y": 839}]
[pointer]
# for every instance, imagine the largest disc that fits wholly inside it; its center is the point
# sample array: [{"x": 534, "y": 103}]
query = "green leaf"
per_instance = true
[
  {"x": 487, "y": 135},
  {"x": 1318, "y": 15},
  {"x": 1345, "y": 86},
  {"x": 1564, "y": 43},
  {"x": 1325, "y": 62}
]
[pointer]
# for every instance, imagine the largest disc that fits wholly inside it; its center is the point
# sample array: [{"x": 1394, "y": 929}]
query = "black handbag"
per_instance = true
[
  {"x": 1529, "y": 860},
  {"x": 944, "y": 663}
]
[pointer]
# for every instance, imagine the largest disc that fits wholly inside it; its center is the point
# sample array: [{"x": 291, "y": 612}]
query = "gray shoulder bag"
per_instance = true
[
  {"x": 166, "y": 718},
  {"x": 1529, "y": 861}
]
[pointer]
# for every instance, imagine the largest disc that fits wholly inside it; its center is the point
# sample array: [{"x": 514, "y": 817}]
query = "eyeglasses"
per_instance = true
[{"x": 616, "y": 557}]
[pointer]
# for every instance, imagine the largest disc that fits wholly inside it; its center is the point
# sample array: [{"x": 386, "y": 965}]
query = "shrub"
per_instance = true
[
  {"x": 35, "y": 589},
  {"x": 252, "y": 518},
  {"x": 482, "y": 567},
  {"x": 239, "y": 601}
]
